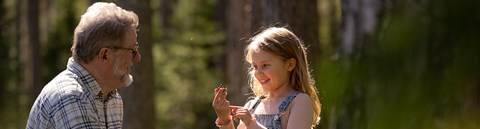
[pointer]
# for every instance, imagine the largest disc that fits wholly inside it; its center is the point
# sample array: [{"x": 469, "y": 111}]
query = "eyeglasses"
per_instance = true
[{"x": 134, "y": 50}]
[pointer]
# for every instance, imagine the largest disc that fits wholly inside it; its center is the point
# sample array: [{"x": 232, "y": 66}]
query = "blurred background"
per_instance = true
[{"x": 378, "y": 64}]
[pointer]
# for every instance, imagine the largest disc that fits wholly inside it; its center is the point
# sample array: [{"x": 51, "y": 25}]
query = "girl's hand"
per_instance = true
[
  {"x": 242, "y": 114},
  {"x": 221, "y": 104}
]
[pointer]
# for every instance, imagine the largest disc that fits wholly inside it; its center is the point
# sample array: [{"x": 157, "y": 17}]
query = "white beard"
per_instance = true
[{"x": 127, "y": 79}]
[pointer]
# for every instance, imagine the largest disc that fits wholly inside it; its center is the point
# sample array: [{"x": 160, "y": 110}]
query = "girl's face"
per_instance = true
[{"x": 271, "y": 71}]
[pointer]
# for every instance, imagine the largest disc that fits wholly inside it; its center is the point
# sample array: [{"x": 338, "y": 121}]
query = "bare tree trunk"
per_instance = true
[
  {"x": 19, "y": 43},
  {"x": 29, "y": 47},
  {"x": 138, "y": 99},
  {"x": 358, "y": 21},
  {"x": 333, "y": 19},
  {"x": 237, "y": 28},
  {"x": 166, "y": 15},
  {"x": 4, "y": 49},
  {"x": 33, "y": 26},
  {"x": 359, "y": 18},
  {"x": 10, "y": 96}
]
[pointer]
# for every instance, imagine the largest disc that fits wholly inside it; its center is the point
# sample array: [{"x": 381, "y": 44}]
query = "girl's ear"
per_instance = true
[{"x": 291, "y": 63}]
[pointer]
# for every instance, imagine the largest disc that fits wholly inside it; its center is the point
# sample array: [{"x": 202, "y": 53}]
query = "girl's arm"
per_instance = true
[
  {"x": 222, "y": 108},
  {"x": 301, "y": 108},
  {"x": 229, "y": 125}
]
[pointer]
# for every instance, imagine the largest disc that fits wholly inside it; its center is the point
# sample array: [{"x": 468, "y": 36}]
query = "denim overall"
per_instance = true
[{"x": 272, "y": 121}]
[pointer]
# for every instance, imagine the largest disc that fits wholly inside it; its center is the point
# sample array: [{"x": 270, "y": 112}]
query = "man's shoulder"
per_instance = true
[
  {"x": 64, "y": 89},
  {"x": 59, "y": 101},
  {"x": 65, "y": 81},
  {"x": 63, "y": 86}
]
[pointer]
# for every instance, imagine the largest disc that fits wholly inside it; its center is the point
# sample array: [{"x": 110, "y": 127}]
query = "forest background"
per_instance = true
[{"x": 378, "y": 64}]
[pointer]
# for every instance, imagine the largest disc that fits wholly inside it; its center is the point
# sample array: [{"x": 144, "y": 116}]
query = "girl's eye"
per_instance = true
[{"x": 265, "y": 65}]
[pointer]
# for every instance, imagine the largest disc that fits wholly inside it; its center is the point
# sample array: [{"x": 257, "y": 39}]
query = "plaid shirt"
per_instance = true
[{"x": 73, "y": 99}]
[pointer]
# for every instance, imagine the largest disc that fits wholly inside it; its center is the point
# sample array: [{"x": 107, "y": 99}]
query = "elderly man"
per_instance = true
[{"x": 85, "y": 94}]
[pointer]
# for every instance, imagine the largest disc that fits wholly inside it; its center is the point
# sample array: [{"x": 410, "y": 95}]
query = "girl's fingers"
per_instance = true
[
  {"x": 219, "y": 95},
  {"x": 235, "y": 107},
  {"x": 224, "y": 103},
  {"x": 222, "y": 94},
  {"x": 220, "y": 103},
  {"x": 216, "y": 98},
  {"x": 217, "y": 89},
  {"x": 227, "y": 103},
  {"x": 241, "y": 113},
  {"x": 223, "y": 91}
]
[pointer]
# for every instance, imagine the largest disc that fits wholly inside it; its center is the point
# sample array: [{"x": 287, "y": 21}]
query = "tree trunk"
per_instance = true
[
  {"x": 237, "y": 28},
  {"x": 138, "y": 99},
  {"x": 33, "y": 26},
  {"x": 166, "y": 15},
  {"x": 29, "y": 47},
  {"x": 358, "y": 21}
]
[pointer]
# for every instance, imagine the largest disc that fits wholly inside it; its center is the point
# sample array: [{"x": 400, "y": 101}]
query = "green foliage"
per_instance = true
[
  {"x": 421, "y": 72},
  {"x": 57, "y": 46},
  {"x": 13, "y": 99},
  {"x": 187, "y": 66},
  {"x": 14, "y": 103}
]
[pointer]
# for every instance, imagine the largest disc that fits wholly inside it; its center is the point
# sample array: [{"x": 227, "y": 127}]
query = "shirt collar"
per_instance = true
[{"x": 85, "y": 78}]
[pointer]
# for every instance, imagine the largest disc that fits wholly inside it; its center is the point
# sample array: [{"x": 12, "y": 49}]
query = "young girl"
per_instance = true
[{"x": 286, "y": 97}]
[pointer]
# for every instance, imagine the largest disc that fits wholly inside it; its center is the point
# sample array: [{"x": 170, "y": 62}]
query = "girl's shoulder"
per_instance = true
[
  {"x": 301, "y": 95},
  {"x": 302, "y": 98}
]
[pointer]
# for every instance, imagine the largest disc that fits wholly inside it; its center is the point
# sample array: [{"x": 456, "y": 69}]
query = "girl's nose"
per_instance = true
[{"x": 258, "y": 72}]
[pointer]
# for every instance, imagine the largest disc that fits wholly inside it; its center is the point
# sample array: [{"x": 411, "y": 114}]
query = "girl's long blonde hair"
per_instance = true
[{"x": 282, "y": 42}]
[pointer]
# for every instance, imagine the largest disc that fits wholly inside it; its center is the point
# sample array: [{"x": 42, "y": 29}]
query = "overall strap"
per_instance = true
[
  {"x": 283, "y": 106},
  {"x": 256, "y": 102}
]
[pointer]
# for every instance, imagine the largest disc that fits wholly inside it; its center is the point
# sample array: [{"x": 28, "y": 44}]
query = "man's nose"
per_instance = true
[{"x": 137, "y": 57}]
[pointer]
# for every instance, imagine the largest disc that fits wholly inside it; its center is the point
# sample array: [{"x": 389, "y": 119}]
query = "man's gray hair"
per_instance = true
[{"x": 103, "y": 24}]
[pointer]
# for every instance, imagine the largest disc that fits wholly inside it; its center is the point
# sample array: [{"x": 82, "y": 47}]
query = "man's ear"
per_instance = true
[
  {"x": 291, "y": 63},
  {"x": 103, "y": 54}
]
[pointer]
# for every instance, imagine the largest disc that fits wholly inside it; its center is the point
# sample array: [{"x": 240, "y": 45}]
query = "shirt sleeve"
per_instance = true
[
  {"x": 72, "y": 113},
  {"x": 37, "y": 118}
]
